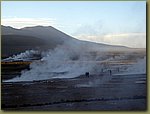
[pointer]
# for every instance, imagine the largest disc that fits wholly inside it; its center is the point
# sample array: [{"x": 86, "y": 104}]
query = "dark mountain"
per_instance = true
[
  {"x": 18, "y": 40},
  {"x": 14, "y": 44},
  {"x": 39, "y": 37},
  {"x": 48, "y": 33}
]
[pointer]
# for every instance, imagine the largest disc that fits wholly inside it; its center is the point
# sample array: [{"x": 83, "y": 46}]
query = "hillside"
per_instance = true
[
  {"x": 39, "y": 37},
  {"x": 13, "y": 44},
  {"x": 18, "y": 40}
]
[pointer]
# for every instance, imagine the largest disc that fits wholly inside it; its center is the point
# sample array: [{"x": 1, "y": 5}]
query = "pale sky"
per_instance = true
[{"x": 110, "y": 22}]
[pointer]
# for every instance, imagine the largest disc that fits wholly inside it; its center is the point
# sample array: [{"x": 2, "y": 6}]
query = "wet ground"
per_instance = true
[{"x": 96, "y": 92}]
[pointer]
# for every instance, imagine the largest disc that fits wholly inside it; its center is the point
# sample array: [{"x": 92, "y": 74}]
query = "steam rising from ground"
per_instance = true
[
  {"x": 62, "y": 62},
  {"x": 138, "y": 68},
  {"x": 66, "y": 61},
  {"x": 24, "y": 55}
]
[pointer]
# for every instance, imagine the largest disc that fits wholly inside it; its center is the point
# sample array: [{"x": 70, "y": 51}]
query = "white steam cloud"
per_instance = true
[
  {"x": 66, "y": 61},
  {"x": 22, "y": 56},
  {"x": 138, "y": 68}
]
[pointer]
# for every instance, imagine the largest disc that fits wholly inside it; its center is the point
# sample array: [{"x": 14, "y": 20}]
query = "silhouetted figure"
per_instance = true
[
  {"x": 87, "y": 74},
  {"x": 110, "y": 72}
]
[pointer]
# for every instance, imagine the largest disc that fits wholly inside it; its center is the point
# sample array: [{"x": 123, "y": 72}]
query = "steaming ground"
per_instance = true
[
  {"x": 97, "y": 92},
  {"x": 56, "y": 78},
  {"x": 58, "y": 82},
  {"x": 27, "y": 55},
  {"x": 69, "y": 62}
]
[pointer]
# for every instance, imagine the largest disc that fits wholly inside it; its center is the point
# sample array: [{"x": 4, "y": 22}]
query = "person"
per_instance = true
[
  {"x": 110, "y": 72},
  {"x": 87, "y": 74}
]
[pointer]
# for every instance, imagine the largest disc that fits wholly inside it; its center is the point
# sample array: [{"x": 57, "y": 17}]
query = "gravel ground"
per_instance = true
[{"x": 97, "y": 92}]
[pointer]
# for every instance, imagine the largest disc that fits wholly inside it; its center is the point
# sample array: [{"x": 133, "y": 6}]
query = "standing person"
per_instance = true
[
  {"x": 110, "y": 72},
  {"x": 87, "y": 74}
]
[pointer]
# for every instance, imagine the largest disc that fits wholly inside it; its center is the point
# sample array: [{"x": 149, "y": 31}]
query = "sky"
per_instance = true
[{"x": 109, "y": 22}]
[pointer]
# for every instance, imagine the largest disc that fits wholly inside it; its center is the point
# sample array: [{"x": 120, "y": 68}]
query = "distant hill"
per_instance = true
[
  {"x": 48, "y": 33},
  {"x": 18, "y": 40},
  {"x": 39, "y": 37},
  {"x": 14, "y": 44}
]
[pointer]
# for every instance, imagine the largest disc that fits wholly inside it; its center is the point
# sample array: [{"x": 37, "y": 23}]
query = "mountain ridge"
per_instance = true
[{"x": 50, "y": 35}]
